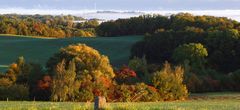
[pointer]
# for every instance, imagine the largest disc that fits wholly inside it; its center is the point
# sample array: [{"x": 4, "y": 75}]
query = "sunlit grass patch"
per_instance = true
[{"x": 210, "y": 104}]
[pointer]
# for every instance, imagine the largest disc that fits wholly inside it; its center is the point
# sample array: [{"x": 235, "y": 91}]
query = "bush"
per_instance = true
[
  {"x": 5, "y": 82},
  {"x": 136, "y": 93},
  {"x": 126, "y": 75},
  {"x": 149, "y": 93},
  {"x": 84, "y": 95},
  {"x": 123, "y": 93},
  {"x": 210, "y": 84},
  {"x": 194, "y": 83},
  {"x": 169, "y": 83},
  {"x": 41, "y": 89},
  {"x": 140, "y": 66},
  {"x": 14, "y": 92},
  {"x": 236, "y": 79}
]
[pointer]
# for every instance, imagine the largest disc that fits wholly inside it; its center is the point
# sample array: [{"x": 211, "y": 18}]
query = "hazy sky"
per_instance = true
[{"x": 122, "y": 4}]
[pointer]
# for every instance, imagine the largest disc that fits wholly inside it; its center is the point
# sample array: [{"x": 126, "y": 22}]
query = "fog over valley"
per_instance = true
[
  {"x": 115, "y": 14},
  {"x": 114, "y": 9}
]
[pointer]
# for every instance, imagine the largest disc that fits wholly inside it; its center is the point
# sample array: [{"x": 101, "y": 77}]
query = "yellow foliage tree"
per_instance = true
[
  {"x": 169, "y": 83},
  {"x": 93, "y": 70}
]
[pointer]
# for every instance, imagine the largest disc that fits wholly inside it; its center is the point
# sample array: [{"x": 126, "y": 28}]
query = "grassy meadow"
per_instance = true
[
  {"x": 206, "y": 101},
  {"x": 38, "y": 50}
]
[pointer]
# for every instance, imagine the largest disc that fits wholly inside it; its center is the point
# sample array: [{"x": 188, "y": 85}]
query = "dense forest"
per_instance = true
[
  {"x": 207, "y": 46},
  {"x": 47, "y": 26}
]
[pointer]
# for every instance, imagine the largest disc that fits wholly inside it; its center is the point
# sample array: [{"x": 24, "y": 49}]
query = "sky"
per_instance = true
[{"x": 123, "y": 4}]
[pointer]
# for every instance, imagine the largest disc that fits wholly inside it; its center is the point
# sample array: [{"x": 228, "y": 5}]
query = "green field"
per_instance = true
[
  {"x": 39, "y": 50},
  {"x": 207, "y": 101}
]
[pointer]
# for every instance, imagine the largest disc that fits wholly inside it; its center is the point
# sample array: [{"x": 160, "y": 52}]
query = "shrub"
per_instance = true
[
  {"x": 126, "y": 72},
  {"x": 124, "y": 93},
  {"x": 210, "y": 84},
  {"x": 194, "y": 83},
  {"x": 42, "y": 89},
  {"x": 5, "y": 82},
  {"x": 14, "y": 92},
  {"x": 84, "y": 95},
  {"x": 126, "y": 75},
  {"x": 236, "y": 79},
  {"x": 136, "y": 93},
  {"x": 140, "y": 66},
  {"x": 169, "y": 83},
  {"x": 149, "y": 93}
]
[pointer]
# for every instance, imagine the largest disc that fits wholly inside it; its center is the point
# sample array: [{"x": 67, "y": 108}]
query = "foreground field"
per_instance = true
[
  {"x": 39, "y": 50},
  {"x": 211, "y": 101}
]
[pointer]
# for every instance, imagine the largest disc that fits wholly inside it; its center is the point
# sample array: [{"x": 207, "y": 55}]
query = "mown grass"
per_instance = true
[
  {"x": 213, "y": 102},
  {"x": 39, "y": 50}
]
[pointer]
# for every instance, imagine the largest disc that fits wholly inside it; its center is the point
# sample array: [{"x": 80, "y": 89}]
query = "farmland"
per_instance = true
[
  {"x": 205, "y": 101},
  {"x": 38, "y": 50}
]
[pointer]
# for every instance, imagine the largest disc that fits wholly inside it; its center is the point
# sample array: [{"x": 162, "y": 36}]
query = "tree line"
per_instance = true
[
  {"x": 47, "y": 26},
  {"x": 150, "y": 23}
]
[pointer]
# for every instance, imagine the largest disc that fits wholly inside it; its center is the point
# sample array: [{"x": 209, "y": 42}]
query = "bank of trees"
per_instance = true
[
  {"x": 207, "y": 47},
  {"x": 79, "y": 73},
  {"x": 47, "y": 26},
  {"x": 151, "y": 23},
  {"x": 210, "y": 57}
]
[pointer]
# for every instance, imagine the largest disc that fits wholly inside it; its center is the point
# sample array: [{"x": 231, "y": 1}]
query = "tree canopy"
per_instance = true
[
  {"x": 47, "y": 26},
  {"x": 93, "y": 71},
  {"x": 193, "y": 52}
]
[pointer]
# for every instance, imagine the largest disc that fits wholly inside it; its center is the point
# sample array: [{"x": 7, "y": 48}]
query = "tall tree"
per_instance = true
[{"x": 63, "y": 82}]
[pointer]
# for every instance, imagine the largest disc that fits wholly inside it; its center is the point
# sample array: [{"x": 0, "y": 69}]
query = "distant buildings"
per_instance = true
[{"x": 82, "y": 21}]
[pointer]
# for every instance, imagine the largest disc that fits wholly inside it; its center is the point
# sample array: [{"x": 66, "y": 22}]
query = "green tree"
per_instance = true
[
  {"x": 140, "y": 66},
  {"x": 194, "y": 53}
]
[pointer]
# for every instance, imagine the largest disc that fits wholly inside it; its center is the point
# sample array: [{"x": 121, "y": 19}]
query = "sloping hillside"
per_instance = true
[{"x": 39, "y": 50}]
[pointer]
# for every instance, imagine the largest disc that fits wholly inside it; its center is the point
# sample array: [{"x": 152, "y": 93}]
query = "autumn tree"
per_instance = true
[
  {"x": 18, "y": 71},
  {"x": 63, "y": 85},
  {"x": 93, "y": 70},
  {"x": 169, "y": 82}
]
